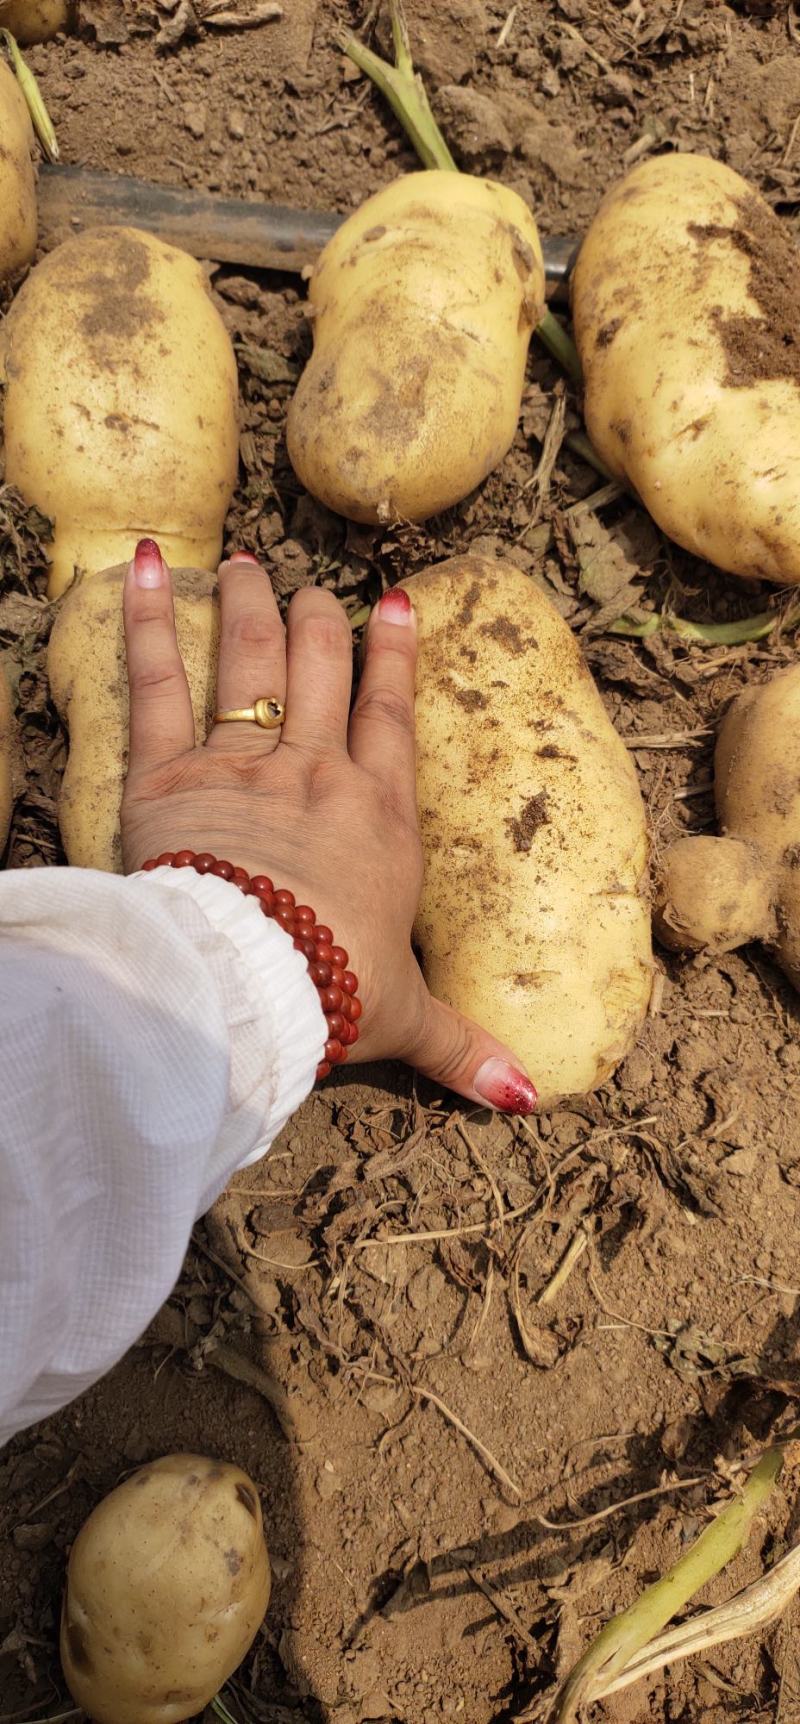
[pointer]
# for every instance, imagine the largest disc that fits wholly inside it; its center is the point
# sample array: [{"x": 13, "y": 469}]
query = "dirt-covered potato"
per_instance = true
[
  {"x": 121, "y": 403},
  {"x": 534, "y": 916},
  {"x": 7, "y": 755},
  {"x": 717, "y": 893},
  {"x": 687, "y": 320},
  {"x": 17, "y": 180},
  {"x": 88, "y": 680},
  {"x": 167, "y": 1586},
  {"x": 423, "y": 305},
  {"x": 36, "y": 20}
]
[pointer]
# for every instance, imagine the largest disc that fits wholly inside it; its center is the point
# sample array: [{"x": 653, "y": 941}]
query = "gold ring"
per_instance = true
[{"x": 268, "y": 713}]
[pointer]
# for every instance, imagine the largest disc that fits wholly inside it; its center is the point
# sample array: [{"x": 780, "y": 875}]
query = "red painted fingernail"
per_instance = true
[
  {"x": 149, "y": 569},
  {"x": 504, "y": 1087},
  {"x": 395, "y": 606},
  {"x": 243, "y": 557}
]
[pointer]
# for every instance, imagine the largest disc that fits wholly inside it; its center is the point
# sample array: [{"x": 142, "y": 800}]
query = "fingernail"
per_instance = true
[
  {"x": 395, "y": 607},
  {"x": 243, "y": 557},
  {"x": 148, "y": 565},
  {"x": 504, "y": 1087}
]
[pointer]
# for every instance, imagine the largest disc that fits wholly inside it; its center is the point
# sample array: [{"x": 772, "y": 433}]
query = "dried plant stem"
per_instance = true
[{"x": 421, "y": 1393}]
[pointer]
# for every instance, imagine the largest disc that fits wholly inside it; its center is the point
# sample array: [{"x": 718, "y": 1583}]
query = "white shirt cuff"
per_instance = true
[{"x": 271, "y": 1005}]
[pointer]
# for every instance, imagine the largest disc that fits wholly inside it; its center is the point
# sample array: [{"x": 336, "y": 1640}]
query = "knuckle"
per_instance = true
[
  {"x": 325, "y": 634},
  {"x": 251, "y": 627},
  {"x": 154, "y": 679},
  {"x": 386, "y": 706}
]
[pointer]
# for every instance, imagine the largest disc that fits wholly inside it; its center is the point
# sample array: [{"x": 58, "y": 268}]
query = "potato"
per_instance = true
[
  {"x": 121, "y": 403},
  {"x": 88, "y": 680},
  {"x": 167, "y": 1586},
  {"x": 685, "y": 308},
  {"x": 534, "y": 916},
  {"x": 35, "y": 20},
  {"x": 7, "y": 756},
  {"x": 18, "y": 227},
  {"x": 717, "y": 893},
  {"x": 423, "y": 306}
]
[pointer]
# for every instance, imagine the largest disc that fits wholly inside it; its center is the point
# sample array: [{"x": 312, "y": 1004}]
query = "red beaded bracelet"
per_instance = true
[{"x": 327, "y": 964}]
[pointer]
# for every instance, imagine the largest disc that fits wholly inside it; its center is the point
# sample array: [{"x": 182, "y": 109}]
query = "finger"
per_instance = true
[
  {"x": 382, "y": 722},
  {"x": 319, "y": 672},
  {"x": 252, "y": 653},
  {"x": 455, "y": 1051},
  {"x": 161, "y": 721}
]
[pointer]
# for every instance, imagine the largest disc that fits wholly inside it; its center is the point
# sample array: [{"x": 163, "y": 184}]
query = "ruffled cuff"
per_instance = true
[{"x": 276, "y": 1022}]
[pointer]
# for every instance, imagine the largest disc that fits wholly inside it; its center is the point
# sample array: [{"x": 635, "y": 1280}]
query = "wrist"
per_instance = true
[{"x": 337, "y": 986}]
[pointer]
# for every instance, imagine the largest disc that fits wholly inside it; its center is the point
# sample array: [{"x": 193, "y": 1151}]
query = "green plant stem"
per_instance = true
[
  {"x": 755, "y": 628},
  {"x": 45, "y": 130},
  {"x": 406, "y": 94},
  {"x": 626, "y": 1634},
  {"x": 219, "y": 1708}
]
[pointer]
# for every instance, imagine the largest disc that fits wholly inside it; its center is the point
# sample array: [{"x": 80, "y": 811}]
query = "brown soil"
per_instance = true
[{"x": 413, "y": 1417}]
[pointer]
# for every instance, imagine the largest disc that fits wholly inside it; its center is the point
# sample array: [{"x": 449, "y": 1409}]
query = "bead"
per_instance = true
[
  {"x": 284, "y": 897},
  {"x": 166, "y": 859},
  {"x": 304, "y": 946},
  {"x": 323, "y": 934},
  {"x": 337, "y": 974},
  {"x": 204, "y": 862},
  {"x": 345, "y": 1006},
  {"x": 147, "y": 867},
  {"x": 339, "y": 957},
  {"x": 223, "y": 870},
  {"x": 320, "y": 973},
  {"x": 304, "y": 913},
  {"x": 267, "y": 903},
  {"x": 333, "y": 1050},
  {"x": 323, "y": 1070},
  {"x": 336, "y": 1024},
  {"x": 350, "y": 1035},
  {"x": 261, "y": 886},
  {"x": 331, "y": 999},
  {"x": 350, "y": 982},
  {"x": 183, "y": 859},
  {"x": 324, "y": 950},
  {"x": 284, "y": 913},
  {"x": 241, "y": 878},
  {"x": 356, "y": 1009}
]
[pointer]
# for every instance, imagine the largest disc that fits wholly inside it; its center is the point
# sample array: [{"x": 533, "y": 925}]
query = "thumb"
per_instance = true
[{"x": 454, "y": 1051}]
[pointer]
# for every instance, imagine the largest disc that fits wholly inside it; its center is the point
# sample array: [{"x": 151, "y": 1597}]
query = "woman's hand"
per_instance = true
[{"x": 325, "y": 806}]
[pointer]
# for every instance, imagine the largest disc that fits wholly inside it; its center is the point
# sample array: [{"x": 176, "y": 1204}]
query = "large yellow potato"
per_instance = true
[
  {"x": 17, "y": 180},
  {"x": 121, "y": 403},
  {"x": 423, "y": 305},
  {"x": 716, "y": 893},
  {"x": 7, "y": 756},
  {"x": 35, "y": 20},
  {"x": 167, "y": 1586},
  {"x": 685, "y": 307},
  {"x": 534, "y": 916},
  {"x": 88, "y": 681}
]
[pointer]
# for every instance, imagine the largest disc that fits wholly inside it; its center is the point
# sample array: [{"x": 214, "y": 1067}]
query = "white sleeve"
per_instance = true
[{"x": 155, "y": 1034}]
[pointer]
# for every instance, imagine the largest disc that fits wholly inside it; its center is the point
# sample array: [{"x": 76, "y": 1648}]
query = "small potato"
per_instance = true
[
  {"x": 7, "y": 756},
  {"x": 167, "y": 1586},
  {"x": 18, "y": 225},
  {"x": 35, "y": 20},
  {"x": 88, "y": 680},
  {"x": 534, "y": 917},
  {"x": 423, "y": 305},
  {"x": 685, "y": 304},
  {"x": 121, "y": 403},
  {"x": 717, "y": 893}
]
